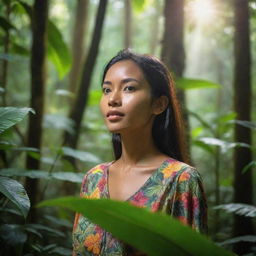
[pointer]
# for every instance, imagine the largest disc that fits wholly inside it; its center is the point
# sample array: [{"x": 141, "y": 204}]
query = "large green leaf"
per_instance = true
[
  {"x": 187, "y": 84},
  {"x": 10, "y": 116},
  {"x": 58, "y": 51},
  {"x": 153, "y": 233},
  {"x": 15, "y": 192}
]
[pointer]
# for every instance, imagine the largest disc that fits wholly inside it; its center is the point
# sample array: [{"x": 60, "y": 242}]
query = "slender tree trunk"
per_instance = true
[
  {"x": 173, "y": 53},
  {"x": 127, "y": 24},
  {"x": 78, "y": 45},
  {"x": 38, "y": 52},
  {"x": 242, "y": 106},
  {"x": 78, "y": 108}
]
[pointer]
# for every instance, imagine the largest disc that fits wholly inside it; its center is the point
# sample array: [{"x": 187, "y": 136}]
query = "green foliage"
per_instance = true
[
  {"x": 37, "y": 174},
  {"x": 251, "y": 239},
  {"x": 153, "y": 233},
  {"x": 187, "y": 84},
  {"x": 5, "y": 24},
  {"x": 240, "y": 209},
  {"x": 58, "y": 51},
  {"x": 15, "y": 192},
  {"x": 10, "y": 116}
]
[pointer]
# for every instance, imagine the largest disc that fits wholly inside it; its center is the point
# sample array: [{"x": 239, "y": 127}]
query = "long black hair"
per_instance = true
[{"x": 168, "y": 129}]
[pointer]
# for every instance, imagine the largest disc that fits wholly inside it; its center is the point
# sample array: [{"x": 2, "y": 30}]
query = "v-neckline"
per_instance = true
[{"x": 140, "y": 188}]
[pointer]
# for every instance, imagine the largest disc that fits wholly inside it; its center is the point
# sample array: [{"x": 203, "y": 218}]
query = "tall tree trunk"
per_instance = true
[
  {"x": 78, "y": 46},
  {"x": 173, "y": 53},
  {"x": 38, "y": 52},
  {"x": 242, "y": 106},
  {"x": 78, "y": 108},
  {"x": 127, "y": 24}
]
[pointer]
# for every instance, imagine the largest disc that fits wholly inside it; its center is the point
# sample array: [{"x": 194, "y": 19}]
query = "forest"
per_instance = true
[{"x": 51, "y": 130}]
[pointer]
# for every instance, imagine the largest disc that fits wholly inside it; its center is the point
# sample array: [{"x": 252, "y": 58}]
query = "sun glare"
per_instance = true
[{"x": 201, "y": 10}]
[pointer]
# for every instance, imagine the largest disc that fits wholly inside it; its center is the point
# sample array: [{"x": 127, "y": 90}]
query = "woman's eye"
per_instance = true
[
  {"x": 129, "y": 88},
  {"x": 105, "y": 90}
]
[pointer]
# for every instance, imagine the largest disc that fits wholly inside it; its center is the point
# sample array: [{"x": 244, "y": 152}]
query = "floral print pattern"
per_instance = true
[{"x": 174, "y": 188}]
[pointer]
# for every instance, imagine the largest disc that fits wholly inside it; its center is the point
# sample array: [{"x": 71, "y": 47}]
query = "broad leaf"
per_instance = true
[
  {"x": 44, "y": 228},
  {"x": 240, "y": 209},
  {"x": 15, "y": 192},
  {"x": 153, "y": 233},
  {"x": 58, "y": 51},
  {"x": 247, "y": 124},
  {"x": 13, "y": 234},
  {"x": 249, "y": 166},
  {"x": 81, "y": 155},
  {"x": 10, "y": 116},
  {"x": 187, "y": 84}
]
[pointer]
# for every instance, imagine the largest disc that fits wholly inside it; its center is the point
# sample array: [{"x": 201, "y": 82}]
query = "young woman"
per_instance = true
[{"x": 140, "y": 109}]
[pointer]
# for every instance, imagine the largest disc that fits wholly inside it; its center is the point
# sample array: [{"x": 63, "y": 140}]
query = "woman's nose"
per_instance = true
[{"x": 114, "y": 99}]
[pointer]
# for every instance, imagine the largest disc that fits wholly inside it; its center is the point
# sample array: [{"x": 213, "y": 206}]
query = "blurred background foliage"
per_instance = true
[{"x": 70, "y": 44}]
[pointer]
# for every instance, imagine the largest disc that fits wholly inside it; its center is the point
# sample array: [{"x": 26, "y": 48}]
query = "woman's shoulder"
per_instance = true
[
  {"x": 97, "y": 170},
  {"x": 173, "y": 168}
]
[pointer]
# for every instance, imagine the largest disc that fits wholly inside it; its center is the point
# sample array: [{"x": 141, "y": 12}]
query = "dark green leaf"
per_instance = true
[
  {"x": 58, "y": 51},
  {"x": 5, "y": 24},
  {"x": 10, "y": 116},
  {"x": 13, "y": 234},
  {"x": 249, "y": 166},
  {"x": 153, "y": 233},
  {"x": 46, "y": 229},
  {"x": 247, "y": 124},
  {"x": 187, "y": 84},
  {"x": 15, "y": 192}
]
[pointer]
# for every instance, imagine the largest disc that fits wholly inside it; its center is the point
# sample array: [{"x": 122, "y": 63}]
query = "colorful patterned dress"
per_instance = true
[{"x": 174, "y": 188}]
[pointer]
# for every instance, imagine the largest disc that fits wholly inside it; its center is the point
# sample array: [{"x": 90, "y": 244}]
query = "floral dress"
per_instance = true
[{"x": 174, "y": 188}]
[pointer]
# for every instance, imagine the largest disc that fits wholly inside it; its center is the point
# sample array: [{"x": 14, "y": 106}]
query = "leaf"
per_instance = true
[
  {"x": 6, "y": 24},
  {"x": 188, "y": 84},
  {"x": 58, "y": 51},
  {"x": 224, "y": 145},
  {"x": 240, "y": 209},
  {"x": 204, "y": 146},
  {"x": 10, "y": 116},
  {"x": 248, "y": 166},
  {"x": 62, "y": 251},
  {"x": 67, "y": 93},
  {"x": 13, "y": 234},
  {"x": 153, "y": 233},
  {"x": 251, "y": 239},
  {"x": 247, "y": 124},
  {"x": 15, "y": 192},
  {"x": 58, "y": 122},
  {"x": 38, "y": 174},
  {"x": 139, "y": 5},
  {"x": 50, "y": 231},
  {"x": 68, "y": 176},
  {"x": 81, "y": 155}
]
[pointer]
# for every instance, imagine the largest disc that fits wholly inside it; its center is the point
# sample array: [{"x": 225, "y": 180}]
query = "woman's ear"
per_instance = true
[{"x": 160, "y": 104}]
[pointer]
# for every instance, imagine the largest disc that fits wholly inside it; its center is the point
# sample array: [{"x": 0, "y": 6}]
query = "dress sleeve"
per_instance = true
[{"x": 188, "y": 203}]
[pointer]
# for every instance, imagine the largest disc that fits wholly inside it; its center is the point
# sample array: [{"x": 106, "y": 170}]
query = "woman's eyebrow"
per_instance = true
[{"x": 123, "y": 81}]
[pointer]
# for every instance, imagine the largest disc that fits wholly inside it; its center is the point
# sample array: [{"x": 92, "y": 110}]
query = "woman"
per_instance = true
[{"x": 139, "y": 107}]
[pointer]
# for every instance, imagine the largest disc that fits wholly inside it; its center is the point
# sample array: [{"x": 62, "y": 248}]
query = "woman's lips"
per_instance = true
[{"x": 114, "y": 115}]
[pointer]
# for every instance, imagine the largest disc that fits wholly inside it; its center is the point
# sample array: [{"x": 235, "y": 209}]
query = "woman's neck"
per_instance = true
[{"x": 138, "y": 148}]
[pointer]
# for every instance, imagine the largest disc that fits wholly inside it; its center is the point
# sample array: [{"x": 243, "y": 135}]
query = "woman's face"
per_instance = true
[{"x": 126, "y": 102}]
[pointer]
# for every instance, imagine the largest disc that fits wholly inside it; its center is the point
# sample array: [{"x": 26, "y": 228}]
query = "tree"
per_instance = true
[
  {"x": 78, "y": 107},
  {"x": 127, "y": 24},
  {"x": 173, "y": 53},
  {"x": 78, "y": 43},
  {"x": 242, "y": 106},
  {"x": 37, "y": 65}
]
